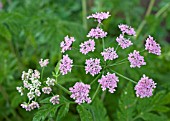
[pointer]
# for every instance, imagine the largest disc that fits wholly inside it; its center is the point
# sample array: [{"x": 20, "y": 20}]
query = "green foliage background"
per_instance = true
[{"x": 33, "y": 29}]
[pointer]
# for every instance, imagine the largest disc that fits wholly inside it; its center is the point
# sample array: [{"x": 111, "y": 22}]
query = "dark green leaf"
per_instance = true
[{"x": 84, "y": 113}]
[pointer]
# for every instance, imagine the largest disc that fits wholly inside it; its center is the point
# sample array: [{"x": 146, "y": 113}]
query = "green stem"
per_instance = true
[
  {"x": 78, "y": 66},
  {"x": 96, "y": 92},
  {"x": 64, "y": 89},
  {"x": 116, "y": 64},
  {"x": 150, "y": 7},
  {"x": 103, "y": 44},
  {"x": 42, "y": 71},
  {"x": 84, "y": 13},
  {"x": 144, "y": 21},
  {"x": 117, "y": 47},
  {"x": 163, "y": 9},
  {"x": 123, "y": 76},
  {"x": 95, "y": 79}
]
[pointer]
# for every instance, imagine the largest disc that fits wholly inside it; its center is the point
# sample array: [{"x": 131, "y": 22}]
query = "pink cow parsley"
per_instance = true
[
  {"x": 123, "y": 42},
  {"x": 93, "y": 66},
  {"x": 109, "y": 81},
  {"x": 66, "y": 65},
  {"x": 152, "y": 46},
  {"x": 109, "y": 54},
  {"x": 127, "y": 29},
  {"x": 97, "y": 33},
  {"x": 145, "y": 87},
  {"x": 46, "y": 90},
  {"x": 55, "y": 99},
  {"x": 87, "y": 46},
  {"x": 66, "y": 44},
  {"x": 44, "y": 63},
  {"x": 100, "y": 16},
  {"x": 80, "y": 92},
  {"x": 136, "y": 60}
]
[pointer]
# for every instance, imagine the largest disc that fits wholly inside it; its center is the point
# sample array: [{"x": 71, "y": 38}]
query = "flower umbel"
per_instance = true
[
  {"x": 66, "y": 65},
  {"x": 109, "y": 54},
  {"x": 93, "y": 66},
  {"x": 152, "y": 46},
  {"x": 87, "y": 46},
  {"x": 145, "y": 87},
  {"x": 66, "y": 44},
  {"x": 97, "y": 33},
  {"x": 46, "y": 90},
  {"x": 136, "y": 60},
  {"x": 109, "y": 81},
  {"x": 55, "y": 99},
  {"x": 100, "y": 16},
  {"x": 127, "y": 29},
  {"x": 44, "y": 63},
  {"x": 123, "y": 42},
  {"x": 80, "y": 92}
]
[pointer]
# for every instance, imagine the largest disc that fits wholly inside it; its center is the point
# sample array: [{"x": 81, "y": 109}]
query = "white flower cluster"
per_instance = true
[
  {"x": 49, "y": 82},
  {"x": 31, "y": 83}
]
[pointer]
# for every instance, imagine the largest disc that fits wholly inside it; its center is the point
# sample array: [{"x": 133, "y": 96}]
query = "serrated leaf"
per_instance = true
[
  {"x": 45, "y": 111},
  {"x": 153, "y": 117},
  {"x": 57, "y": 68},
  {"x": 4, "y": 32},
  {"x": 127, "y": 104},
  {"x": 98, "y": 111},
  {"x": 46, "y": 100},
  {"x": 84, "y": 113},
  {"x": 16, "y": 101},
  {"x": 161, "y": 108},
  {"x": 63, "y": 111}
]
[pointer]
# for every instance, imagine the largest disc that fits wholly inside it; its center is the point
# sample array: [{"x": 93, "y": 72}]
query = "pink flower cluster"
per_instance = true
[
  {"x": 152, "y": 46},
  {"x": 97, "y": 33},
  {"x": 99, "y": 16},
  {"x": 55, "y": 99},
  {"x": 93, "y": 66},
  {"x": 65, "y": 65},
  {"x": 46, "y": 90},
  {"x": 123, "y": 42},
  {"x": 136, "y": 60},
  {"x": 109, "y": 81},
  {"x": 127, "y": 29},
  {"x": 145, "y": 87},
  {"x": 44, "y": 63},
  {"x": 80, "y": 92},
  {"x": 109, "y": 54},
  {"x": 66, "y": 44},
  {"x": 31, "y": 106},
  {"x": 87, "y": 46}
]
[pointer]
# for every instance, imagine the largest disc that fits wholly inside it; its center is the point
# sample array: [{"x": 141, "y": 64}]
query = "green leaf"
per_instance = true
[
  {"x": 84, "y": 113},
  {"x": 98, "y": 111},
  {"x": 57, "y": 68},
  {"x": 4, "y": 32},
  {"x": 63, "y": 111},
  {"x": 153, "y": 117},
  {"x": 45, "y": 111},
  {"x": 46, "y": 100},
  {"x": 127, "y": 104}
]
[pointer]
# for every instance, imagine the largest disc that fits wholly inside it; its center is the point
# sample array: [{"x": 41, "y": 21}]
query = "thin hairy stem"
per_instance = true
[
  {"x": 64, "y": 89},
  {"x": 97, "y": 90},
  {"x": 144, "y": 20},
  {"x": 84, "y": 13},
  {"x": 42, "y": 72},
  {"x": 79, "y": 66},
  {"x": 124, "y": 76},
  {"x": 95, "y": 78}
]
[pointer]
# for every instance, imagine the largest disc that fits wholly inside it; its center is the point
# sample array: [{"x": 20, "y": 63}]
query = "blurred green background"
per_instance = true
[{"x": 33, "y": 29}]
